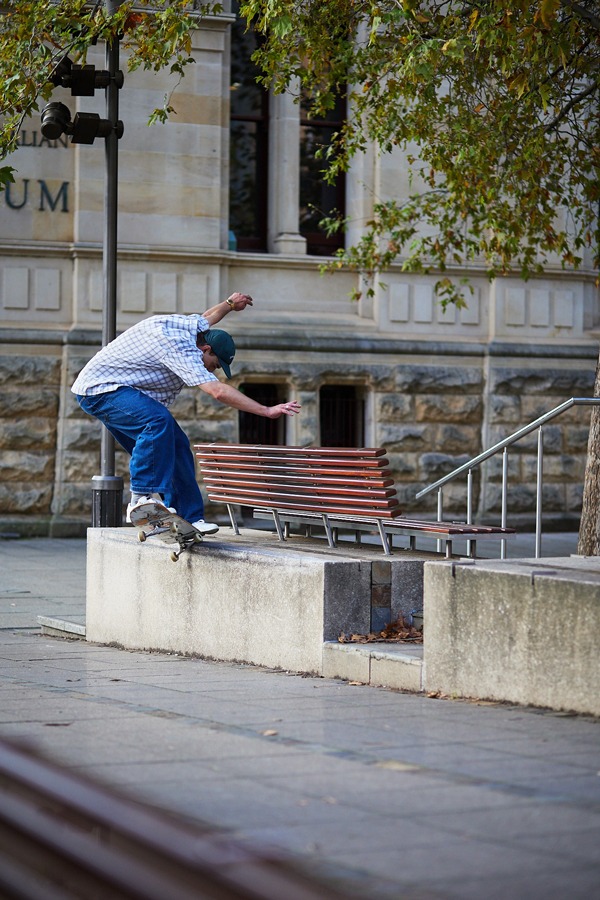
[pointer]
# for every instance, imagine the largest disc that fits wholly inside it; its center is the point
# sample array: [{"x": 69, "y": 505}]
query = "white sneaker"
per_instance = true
[
  {"x": 142, "y": 500},
  {"x": 205, "y": 527}
]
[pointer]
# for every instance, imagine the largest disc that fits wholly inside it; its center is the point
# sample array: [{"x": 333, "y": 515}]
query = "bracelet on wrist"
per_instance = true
[{"x": 230, "y": 303}]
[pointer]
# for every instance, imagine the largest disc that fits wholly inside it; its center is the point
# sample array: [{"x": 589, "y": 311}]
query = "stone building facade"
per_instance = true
[{"x": 433, "y": 387}]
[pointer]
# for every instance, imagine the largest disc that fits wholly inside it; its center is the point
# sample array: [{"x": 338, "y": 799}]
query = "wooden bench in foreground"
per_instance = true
[{"x": 333, "y": 487}]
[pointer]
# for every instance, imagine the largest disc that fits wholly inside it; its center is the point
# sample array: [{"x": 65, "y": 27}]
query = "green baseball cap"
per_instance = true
[{"x": 223, "y": 346}]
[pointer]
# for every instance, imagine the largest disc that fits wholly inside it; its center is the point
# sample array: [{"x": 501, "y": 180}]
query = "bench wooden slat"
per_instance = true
[
  {"x": 308, "y": 463},
  {"x": 399, "y": 524},
  {"x": 357, "y": 509},
  {"x": 233, "y": 478},
  {"x": 222, "y": 468},
  {"x": 455, "y": 528},
  {"x": 239, "y": 450},
  {"x": 323, "y": 493}
]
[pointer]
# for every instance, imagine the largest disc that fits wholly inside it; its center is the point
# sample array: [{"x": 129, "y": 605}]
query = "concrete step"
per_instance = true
[
  {"x": 383, "y": 664},
  {"x": 62, "y": 628}
]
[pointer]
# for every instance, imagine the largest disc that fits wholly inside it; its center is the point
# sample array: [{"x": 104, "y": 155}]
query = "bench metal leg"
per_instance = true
[
  {"x": 234, "y": 524},
  {"x": 278, "y": 525},
  {"x": 448, "y": 549},
  {"x": 384, "y": 538},
  {"x": 328, "y": 531}
]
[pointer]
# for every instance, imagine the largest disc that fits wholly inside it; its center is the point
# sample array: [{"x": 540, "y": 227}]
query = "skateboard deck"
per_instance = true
[{"x": 152, "y": 521}]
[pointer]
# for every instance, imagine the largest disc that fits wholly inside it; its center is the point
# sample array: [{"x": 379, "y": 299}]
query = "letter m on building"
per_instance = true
[{"x": 62, "y": 196}]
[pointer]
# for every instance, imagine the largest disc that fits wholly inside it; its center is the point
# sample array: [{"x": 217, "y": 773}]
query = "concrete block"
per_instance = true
[
  {"x": 345, "y": 661},
  {"x": 245, "y": 599},
  {"x": 523, "y": 631},
  {"x": 395, "y": 669}
]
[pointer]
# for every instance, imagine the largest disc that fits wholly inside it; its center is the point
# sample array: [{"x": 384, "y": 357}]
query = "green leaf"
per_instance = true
[{"x": 6, "y": 176}]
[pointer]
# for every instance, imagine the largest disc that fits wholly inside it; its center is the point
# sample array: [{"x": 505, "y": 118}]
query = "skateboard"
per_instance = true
[{"x": 152, "y": 521}]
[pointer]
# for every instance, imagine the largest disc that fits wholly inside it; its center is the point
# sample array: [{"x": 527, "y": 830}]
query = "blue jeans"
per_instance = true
[{"x": 161, "y": 459}]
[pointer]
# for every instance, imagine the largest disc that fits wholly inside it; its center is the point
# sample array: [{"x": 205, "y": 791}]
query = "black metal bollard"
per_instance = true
[{"x": 107, "y": 501}]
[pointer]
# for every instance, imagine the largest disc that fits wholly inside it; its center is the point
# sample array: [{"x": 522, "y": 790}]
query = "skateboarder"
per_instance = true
[{"x": 129, "y": 384}]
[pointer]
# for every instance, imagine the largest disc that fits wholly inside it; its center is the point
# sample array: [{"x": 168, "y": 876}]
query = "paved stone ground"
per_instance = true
[{"x": 392, "y": 795}]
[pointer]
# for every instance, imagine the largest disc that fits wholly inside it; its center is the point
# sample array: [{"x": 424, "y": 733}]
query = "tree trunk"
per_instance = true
[{"x": 589, "y": 528}]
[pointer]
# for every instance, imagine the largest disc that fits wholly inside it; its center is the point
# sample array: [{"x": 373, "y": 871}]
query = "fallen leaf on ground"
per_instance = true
[
  {"x": 398, "y": 632},
  {"x": 396, "y": 765}
]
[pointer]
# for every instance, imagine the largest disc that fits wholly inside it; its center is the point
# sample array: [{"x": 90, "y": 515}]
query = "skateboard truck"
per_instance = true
[{"x": 168, "y": 527}]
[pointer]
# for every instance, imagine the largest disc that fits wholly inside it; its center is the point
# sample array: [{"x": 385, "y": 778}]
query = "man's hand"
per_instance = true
[
  {"x": 235, "y": 303},
  {"x": 283, "y": 409},
  {"x": 239, "y": 301}
]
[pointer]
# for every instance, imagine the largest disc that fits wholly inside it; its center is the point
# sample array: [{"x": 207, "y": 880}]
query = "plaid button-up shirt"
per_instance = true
[{"x": 158, "y": 356}]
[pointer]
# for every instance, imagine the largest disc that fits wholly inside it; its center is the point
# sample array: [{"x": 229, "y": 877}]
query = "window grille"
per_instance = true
[
  {"x": 341, "y": 416},
  {"x": 256, "y": 429}
]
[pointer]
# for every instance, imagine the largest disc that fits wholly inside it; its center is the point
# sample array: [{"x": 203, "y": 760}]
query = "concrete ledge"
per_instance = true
[
  {"x": 381, "y": 665},
  {"x": 61, "y": 628},
  {"x": 247, "y": 598},
  {"x": 524, "y": 631}
]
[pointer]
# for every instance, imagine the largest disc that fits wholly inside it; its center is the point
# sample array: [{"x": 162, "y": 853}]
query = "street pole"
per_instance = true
[{"x": 107, "y": 488}]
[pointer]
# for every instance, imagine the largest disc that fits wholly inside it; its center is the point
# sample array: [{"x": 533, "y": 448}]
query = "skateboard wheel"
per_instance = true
[
  {"x": 142, "y": 536},
  {"x": 174, "y": 556},
  {"x": 197, "y": 538}
]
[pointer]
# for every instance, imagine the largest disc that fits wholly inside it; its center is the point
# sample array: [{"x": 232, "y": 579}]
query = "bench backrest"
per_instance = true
[{"x": 332, "y": 480}]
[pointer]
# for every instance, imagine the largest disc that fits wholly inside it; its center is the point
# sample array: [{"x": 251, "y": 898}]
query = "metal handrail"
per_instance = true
[{"x": 504, "y": 445}]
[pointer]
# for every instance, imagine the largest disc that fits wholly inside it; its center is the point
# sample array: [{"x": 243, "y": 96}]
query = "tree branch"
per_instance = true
[
  {"x": 579, "y": 10},
  {"x": 569, "y": 106}
]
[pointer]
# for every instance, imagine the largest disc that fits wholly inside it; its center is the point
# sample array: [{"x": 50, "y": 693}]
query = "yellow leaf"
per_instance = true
[
  {"x": 518, "y": 84},
  {"x": 547, "y": 12}
]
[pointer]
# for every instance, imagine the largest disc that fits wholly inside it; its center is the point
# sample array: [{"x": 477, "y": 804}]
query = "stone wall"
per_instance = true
[
  {"x": 431, "y": 412},
  {"x": 30, "y": 380}
]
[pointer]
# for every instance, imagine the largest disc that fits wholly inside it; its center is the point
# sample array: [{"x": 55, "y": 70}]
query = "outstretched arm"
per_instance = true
[
  {"x": 230, "y": 396},
  {"x": 235, "y": 303}
]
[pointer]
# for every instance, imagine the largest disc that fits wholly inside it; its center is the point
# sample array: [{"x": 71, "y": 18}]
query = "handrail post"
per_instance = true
[
  {"x": 440, "y": 513},
  {"x": 538, "y": 491},
  {"x": 503, "y": 517},
  {"x": 469, "y": 506}
]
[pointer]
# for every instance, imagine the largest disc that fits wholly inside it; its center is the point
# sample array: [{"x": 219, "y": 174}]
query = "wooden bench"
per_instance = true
[
  {"x": 333, "y": 487},
  {"x": 65, "y": 836}
]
